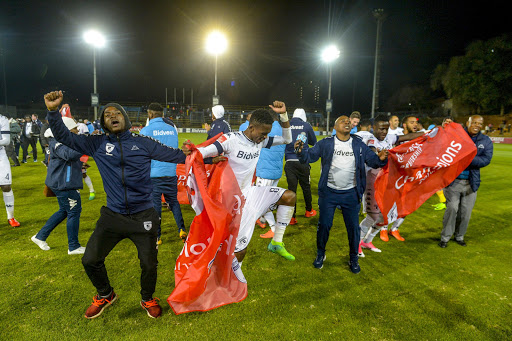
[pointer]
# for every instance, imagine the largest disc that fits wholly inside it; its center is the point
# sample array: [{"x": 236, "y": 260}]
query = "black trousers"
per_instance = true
[
  {"x": 141, "y": 228},
  {"x": 9, "y": 150},
  {"x": 298, "y": 173},
  {"x": 32, "y": 141}
]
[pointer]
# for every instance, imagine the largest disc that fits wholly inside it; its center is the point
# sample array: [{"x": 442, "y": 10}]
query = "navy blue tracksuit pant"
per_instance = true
[
  {"x": 348, "y": 200},
  {"x": 168, "y": 186}
]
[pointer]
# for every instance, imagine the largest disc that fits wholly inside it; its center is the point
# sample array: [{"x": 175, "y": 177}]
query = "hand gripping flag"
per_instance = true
[
  {"x": 419, "y": 168},
  {"x": 207, "y": 274}
]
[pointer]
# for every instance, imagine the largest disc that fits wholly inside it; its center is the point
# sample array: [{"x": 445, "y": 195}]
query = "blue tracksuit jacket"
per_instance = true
[
  {"x": 166, "y": 134},
  {"x": 64, "y": 169}
]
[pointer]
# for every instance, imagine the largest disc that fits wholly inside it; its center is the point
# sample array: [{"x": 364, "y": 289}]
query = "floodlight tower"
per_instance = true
[
  {"x": 380, "y": 16},
  {"x": 96, "y": 40},
  {"x": 329, "y": 55},
  {"x": 216, "y": 43}
]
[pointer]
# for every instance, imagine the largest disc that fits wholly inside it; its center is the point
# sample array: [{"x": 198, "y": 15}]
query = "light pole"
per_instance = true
[
  {"x": 380, "y": 16},
  {"x": 216, "y": 43},
  {"x": 329, "y": 54},
  {"x": 96, "y": 40}
]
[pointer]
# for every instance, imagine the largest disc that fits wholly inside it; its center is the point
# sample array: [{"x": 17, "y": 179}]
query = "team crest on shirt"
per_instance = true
[
  {"x": 109, "y": 148},
  {"x": 148, "y": 225}
]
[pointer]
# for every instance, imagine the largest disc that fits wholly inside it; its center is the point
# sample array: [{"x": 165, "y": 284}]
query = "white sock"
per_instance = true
[
  {"x": 283, "y": 216},
  {"x": 269, "y": 217},
  {"x": 371, "y": 234},
  {"x": 9, "y": 204},
  {"x": 397, "y": 224},
  {"x": 366, "y": 225},
  {"x": 88, "y": 182}
]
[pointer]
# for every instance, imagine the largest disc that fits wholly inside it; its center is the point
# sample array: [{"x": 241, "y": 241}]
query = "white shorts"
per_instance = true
[
  {"x": 260, "y": 182},
  {"x": 369, "y": 203},
  {"x": 5, "y": 169},
  {"x": 258, "y": 201}
]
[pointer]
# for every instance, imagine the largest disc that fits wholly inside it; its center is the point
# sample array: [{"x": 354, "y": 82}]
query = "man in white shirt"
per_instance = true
[
  {"x": 5, "y": 171},
  {"x": 242, "y": 150},
  {"x": 394, "y": 128}
]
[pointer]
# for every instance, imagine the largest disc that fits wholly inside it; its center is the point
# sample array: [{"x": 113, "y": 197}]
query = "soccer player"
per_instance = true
[
  {"x": 5, "y": 171},
  {"x": 123, "y": 160},
  {"x": 394, "y": 125},
  {"x": 364, "y": 133},
  {"x": 163, "y": 174},
  {"x": 242, "y": 150},
  {"x": 371, "y": 224},
  {"x": 342, "y": 182},
  {"x": 409, "y": 125}
]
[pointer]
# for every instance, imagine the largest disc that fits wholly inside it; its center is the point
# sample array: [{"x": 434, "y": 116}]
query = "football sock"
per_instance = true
[
  {"x": 283, "y": 216},
  {"x": 9, "y": 203},
  {"x": 365, "y": 226},
  {"x": 263, "y": 220},
  {"x": 397, "y": 224},
  {"x": 269, "y": 217},
  {"x": 371, "y": 234},
  {"x": 88, "y": 182},
  {"x": 441, "y": 196}
]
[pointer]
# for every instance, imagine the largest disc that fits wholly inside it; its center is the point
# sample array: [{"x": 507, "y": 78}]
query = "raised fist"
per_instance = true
[{"x": 53, "y": 100}]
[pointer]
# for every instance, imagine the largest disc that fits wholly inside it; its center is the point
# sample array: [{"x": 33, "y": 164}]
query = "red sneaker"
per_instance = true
[
  {"x": 310, "y": 214},
  {"x": 152, "y": 308},
  {"x": 268, "y": 234},
  {"x": 384, "y": 235},
  {"x": 13, "y": 222},
  {"x": 293, "y": 221},
  {"x": 99, "y": 304},
  {"x": 396, "y": 234},
  {"x": 260, "y": 224}
]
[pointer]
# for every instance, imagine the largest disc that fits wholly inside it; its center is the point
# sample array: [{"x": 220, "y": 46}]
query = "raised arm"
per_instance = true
[
  {"x": 81, "y": 143},
  {"x": 280, "y": 109}
]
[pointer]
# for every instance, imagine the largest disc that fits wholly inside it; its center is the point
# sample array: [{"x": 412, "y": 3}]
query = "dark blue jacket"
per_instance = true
[
  {"x": 64, "y": 169},
  {"x": 220, "y": 125},
  {"x": 325, "y": 149},
  {"x": 298, "y": 126},
  {"x": 124, "y": 161},
  {"x": 484, "y": 150}
]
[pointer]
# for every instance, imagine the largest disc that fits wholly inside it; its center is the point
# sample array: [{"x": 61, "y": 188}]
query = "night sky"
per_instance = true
[{"x": 157, "y": 44}]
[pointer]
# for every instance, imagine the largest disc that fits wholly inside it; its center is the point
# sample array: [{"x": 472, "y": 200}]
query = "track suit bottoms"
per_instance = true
[
  {"x": 349, "y": 202},
  {"x": 141, "y": 228},
  {"x": 298, "y": 173},
  {"x": 168, "y": 186}
]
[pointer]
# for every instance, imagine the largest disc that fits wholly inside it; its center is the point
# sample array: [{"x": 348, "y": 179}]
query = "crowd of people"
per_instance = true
[{"x": 139, "y": 170}]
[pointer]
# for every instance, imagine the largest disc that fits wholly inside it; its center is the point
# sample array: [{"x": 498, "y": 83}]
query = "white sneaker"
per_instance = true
[
  {"x": 78, "y": 251},
  {"x": 41, "y": 243}
]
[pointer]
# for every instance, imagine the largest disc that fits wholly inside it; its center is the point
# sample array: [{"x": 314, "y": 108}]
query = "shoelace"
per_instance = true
[
  {"x": 99, "y": 302},
  {"x": 152, "y": 303}
]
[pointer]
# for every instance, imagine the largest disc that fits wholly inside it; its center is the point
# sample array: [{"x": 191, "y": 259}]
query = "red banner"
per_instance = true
[
  {"x": 181, "y": 173},
  {"x": 206, "y": 274},
  {"x": 419, "y": 168}
]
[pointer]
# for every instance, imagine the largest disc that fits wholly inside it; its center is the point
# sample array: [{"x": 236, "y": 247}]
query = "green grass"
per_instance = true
[{"x": 412, "y": 290}]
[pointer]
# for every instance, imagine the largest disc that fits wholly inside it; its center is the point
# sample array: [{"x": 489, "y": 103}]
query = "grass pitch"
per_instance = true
[{"x": 413, "y": 290}]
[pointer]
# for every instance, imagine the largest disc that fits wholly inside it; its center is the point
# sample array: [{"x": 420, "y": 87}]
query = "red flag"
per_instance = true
[
  {"x": 204, "y": 276},
  {"x": 419, "y": 168},
  {"x": 181, "y": 173}
]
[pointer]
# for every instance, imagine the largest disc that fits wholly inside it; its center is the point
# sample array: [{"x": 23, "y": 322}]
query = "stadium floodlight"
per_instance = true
[
  {"x": 216, "y": 43},
  {"x": 96, "y": 40},
  {"x": 329, "y": 54}
]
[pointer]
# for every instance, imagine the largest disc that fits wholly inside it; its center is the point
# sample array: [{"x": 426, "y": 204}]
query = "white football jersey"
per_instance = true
[
  {"x": 365, "y": 136},
  {"x": 242, "y": 154},
  {"x": 5, "y": 134},
  {"x": 388, "y": 143}
]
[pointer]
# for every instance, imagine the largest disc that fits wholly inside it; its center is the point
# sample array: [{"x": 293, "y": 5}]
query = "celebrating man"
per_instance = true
[{"x": 123, "y": 160}]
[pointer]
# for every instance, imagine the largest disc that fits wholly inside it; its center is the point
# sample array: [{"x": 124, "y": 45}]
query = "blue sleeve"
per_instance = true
[
  {"x": 312, "y": 154},
  {"x": 81, "y": 143},
  {"x": 161, "y": 152},
  {"x": 67, "y": 153},
  {"x": 91, "y": 128},
  {"x": 371, "y": 159},
  {"x": 484, "y": 159}
]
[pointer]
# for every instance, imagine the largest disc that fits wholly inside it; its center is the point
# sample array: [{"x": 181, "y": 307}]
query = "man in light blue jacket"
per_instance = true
[
  {"x": 163, "y": 174},
  {"x": 268, "y": 172}
]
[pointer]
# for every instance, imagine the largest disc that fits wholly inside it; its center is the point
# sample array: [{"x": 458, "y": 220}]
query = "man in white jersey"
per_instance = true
[
  {"x": 242, "y": 150},
  {"x": 409, "y": 125},
  {"x": 394, "y": 126},
  {"x": 364, "y": 133},
  {"x": 371, "y": 224},
  {"x": 5, "y": 171}
]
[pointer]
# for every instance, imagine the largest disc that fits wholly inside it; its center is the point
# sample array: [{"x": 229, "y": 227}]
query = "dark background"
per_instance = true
[{"x": 272, "y": 45}]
